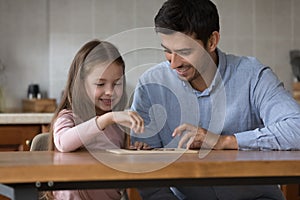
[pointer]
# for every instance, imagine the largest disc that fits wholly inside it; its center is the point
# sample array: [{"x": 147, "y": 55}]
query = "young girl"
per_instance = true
[{"x": 91, "y": 110}]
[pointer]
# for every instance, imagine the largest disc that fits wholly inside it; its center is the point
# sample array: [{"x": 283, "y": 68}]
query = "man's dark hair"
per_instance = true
[{"x": 199, "y": 17}]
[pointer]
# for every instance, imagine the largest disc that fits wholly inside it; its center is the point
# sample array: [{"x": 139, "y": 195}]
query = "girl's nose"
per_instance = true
[
  {"x": 109, "y": 90},
  {"x": 175, "y": 60}
]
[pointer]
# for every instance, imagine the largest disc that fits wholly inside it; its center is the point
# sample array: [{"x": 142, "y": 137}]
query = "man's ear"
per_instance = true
[{"x": 213, "y": 41}]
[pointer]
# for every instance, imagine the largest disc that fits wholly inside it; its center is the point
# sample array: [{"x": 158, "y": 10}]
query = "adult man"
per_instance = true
[{"x": 204, "y": 98}]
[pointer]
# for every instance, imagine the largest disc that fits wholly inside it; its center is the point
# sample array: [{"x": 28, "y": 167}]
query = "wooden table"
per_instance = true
[{"x": 23, "y": 174}]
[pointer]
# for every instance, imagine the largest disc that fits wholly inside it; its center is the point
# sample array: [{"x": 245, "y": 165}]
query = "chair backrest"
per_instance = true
[{"x": 40, "y": 142}]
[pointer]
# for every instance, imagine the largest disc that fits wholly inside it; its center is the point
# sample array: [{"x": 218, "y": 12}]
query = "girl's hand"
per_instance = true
[{"x": 128, "y": 119}]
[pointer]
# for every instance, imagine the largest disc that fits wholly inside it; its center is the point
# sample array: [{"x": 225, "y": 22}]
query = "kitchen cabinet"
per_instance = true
[
  {"x": 18, "y": 137},
  {"x": 18, "y": 129}
]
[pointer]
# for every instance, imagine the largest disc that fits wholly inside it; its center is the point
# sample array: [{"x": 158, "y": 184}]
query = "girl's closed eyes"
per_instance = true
[{"x": 116, "y": 83}]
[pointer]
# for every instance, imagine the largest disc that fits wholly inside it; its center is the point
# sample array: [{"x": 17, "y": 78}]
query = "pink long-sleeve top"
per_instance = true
[{"x": 70, "y": 136}]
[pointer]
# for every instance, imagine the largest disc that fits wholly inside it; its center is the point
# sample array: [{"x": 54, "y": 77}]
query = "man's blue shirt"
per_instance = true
[{"x": 245, "y": 99}]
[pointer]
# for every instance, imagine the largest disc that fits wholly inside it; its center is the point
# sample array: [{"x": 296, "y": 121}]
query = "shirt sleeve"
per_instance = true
[
  {"x": 279, "y": 112},
  {"x": 142, "y": 105},
  {"x": 68, "y": 136}
]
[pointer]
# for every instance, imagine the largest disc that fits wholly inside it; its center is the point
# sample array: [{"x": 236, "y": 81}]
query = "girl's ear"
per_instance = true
[{"x": 213, "y": 41}]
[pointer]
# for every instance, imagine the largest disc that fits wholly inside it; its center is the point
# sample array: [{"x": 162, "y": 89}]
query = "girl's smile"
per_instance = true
[{"x": 107, "y": 102}]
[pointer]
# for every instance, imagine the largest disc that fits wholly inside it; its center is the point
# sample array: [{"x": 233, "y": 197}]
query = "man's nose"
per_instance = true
[{"x": 175, "y": 60}]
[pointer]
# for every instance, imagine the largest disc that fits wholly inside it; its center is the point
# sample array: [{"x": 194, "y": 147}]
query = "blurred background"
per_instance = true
[{"x": 39, "y": 38}]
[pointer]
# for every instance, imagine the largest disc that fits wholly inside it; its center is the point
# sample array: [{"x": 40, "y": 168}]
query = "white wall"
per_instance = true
[
  {"x": 75, "y": 22},
  {"x": 24, "y": 47},
  {"x": 267, "y": 29},
  {"x": 38, "y": 38}
]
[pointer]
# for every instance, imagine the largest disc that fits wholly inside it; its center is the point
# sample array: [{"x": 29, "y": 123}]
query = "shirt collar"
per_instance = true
[{"x": 219, "y": 72}]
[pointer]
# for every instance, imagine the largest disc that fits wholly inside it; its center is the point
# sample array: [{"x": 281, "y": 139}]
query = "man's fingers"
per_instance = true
[
  {"x": 190, "y": 142},
  {"x": 180, "y": 129},
  {"x": 186, "y": 139}
]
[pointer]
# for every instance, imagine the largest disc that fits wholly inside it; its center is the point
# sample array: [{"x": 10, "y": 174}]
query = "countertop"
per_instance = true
[{"x": 25, "y": 118}]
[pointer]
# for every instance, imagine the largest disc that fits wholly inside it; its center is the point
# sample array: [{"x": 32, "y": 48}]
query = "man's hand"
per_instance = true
[{"x": 196, "y": 137}]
